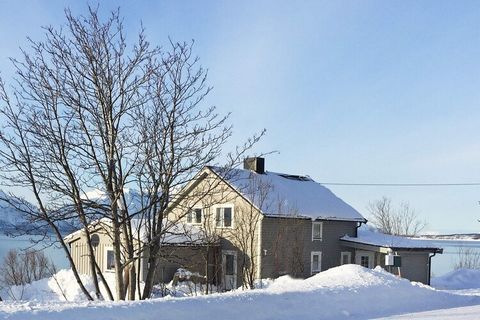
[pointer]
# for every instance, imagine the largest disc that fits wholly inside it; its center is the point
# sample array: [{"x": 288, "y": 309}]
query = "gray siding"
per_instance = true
[
  {"x": 192, "y": 258},
  {"x": 414, "y": 265},
  {"x": 288, "y": 244}
]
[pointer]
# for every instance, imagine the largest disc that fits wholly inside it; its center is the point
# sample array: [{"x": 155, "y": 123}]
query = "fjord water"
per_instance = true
[
  {"x": 23, "y": 242},
  {"x": 443, "y": 263}
]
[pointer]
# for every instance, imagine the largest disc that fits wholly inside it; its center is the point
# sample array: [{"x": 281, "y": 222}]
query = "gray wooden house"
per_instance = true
[
  {"x": 294, "y": 226},
  {"x": 260, "y": 224}
]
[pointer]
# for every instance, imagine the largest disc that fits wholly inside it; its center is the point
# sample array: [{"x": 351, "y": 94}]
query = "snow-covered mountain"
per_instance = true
[
  {"x": 133, "y": 198},
  {"x": 10, "y": 215}
]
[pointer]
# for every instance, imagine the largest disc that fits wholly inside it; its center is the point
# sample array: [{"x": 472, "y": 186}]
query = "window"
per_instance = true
[
  {"x": 364, "y": 261},
  {"x": 316, "y": 261},
  {"x": 345, "y": 257},
  {"x": 224, "y": 217},
  {"x": 365, "y": 258},
  {"x": 110, "y": 261},
  {"x": 195, "y": 216},
  {"x": 317, "y": 229}
]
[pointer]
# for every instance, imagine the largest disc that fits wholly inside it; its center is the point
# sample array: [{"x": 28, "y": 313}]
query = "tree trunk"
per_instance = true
[
  {"x": 132, "y": 282},
  {"x": 72, "y": 263},
  {"x": 105, "y": 284},
  {"x": 117, "y": 244},
  {"x": 92, "y": 263},
  {"x": 152, "y": 267}
]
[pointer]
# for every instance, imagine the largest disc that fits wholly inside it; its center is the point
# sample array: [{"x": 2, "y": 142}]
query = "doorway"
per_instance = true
[{"x": 229, "y": 269}]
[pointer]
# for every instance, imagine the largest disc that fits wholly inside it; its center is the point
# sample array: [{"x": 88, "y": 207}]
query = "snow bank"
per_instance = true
[
  {"x": 461, "y": 313},
  {"x": 61, "y": 287},
  {"x": 346, "y": 292},
  {"x": 458, "y": 280}
]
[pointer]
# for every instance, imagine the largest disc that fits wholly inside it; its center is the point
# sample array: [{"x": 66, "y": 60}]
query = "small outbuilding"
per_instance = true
[{"x": 407, "y": 257}]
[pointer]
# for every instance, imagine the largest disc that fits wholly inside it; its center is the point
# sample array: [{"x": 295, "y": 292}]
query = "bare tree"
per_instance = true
[
  {"x": 288, "y": 245},
  {"x": 467, "y": 258},
  {"x": 247, "y": 222},
  {"x": 88, "y": 110},
  {"x": 402, "y": 220},
  {"x": 198, "y": 209},
  {"x": 21, "y": 268}
]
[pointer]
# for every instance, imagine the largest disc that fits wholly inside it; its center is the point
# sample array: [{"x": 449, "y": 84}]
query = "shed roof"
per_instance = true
[{"x": 369, "y": 237}]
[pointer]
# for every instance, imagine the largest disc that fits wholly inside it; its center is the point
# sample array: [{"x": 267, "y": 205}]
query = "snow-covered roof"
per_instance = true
[
  {"x": 288, "y": 195},
  {"x": 370, "y": 237},
  {"x": 173, "y": 233}
]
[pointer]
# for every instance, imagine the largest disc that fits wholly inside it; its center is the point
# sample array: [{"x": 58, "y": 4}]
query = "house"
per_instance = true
[
  {"x": 300, "y": 227},
  {"x": 254, "y": 224}
]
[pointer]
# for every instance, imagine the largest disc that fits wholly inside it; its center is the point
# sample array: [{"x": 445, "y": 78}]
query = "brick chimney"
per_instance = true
[{"x": 256, "y": 164}]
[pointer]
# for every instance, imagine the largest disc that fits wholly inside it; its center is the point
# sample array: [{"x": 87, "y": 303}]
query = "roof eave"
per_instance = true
[
  {"x": 279, "y": 215},
  {"x": 396, "y": 248}
]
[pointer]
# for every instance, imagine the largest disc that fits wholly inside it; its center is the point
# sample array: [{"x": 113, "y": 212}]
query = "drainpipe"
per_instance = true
[
  {"x": 430, "y": 266},
  {"x": 260, "y": 252},
  {"x": 358, "y": 226}
]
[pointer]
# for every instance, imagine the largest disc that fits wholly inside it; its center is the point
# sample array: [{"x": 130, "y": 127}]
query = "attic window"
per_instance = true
[
  {"x": 195, "y": 216},
  {"x": 294, "y": 177},
  {"x": 224, "y": 217}
]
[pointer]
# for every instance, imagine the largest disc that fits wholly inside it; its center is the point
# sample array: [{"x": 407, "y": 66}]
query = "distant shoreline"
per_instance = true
[{"x": 453, "y": 236}]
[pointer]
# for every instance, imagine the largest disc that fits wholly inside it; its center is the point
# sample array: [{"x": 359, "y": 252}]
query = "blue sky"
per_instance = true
[{"x": 349, "y": 91}]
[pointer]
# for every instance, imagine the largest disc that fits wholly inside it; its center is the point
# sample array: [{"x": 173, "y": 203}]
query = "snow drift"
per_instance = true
[
  {"x": 349, "y": 291},
  {"x": 61, "y": 287},
  {"x": 458, "y": 280}
]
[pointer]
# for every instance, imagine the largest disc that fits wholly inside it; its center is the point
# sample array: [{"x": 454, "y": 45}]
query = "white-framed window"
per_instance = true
[
  {"x": 109, "y": 259},
  {"x": 224, "y": 217},
  {"x": 316, "y": 262},
  {"x": 317, "y": 230},
  {"x": 195, "y": 216},
  {"x": 365, "y": 261},
  {"x": 365, "y": 258},
  {"x": 345, "y": 257}
]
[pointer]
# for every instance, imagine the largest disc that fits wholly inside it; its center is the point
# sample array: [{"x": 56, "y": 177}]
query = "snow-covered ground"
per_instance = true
[
  {"x": 462, "y": 313},
  {"x": 346, "y": 292}
]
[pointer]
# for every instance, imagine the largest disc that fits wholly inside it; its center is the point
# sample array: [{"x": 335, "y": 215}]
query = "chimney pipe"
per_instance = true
[{"x": 256, "y": 164}]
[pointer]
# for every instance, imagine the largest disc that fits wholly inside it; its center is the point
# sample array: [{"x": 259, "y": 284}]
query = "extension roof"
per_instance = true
[{"x": 366, "y": 236}]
